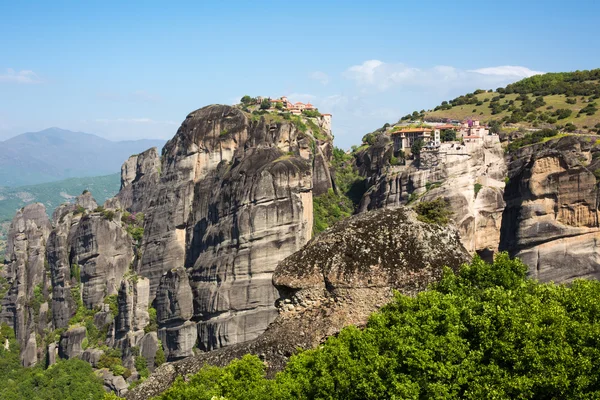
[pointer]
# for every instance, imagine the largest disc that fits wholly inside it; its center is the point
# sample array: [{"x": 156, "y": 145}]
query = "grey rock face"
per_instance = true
[
  {"x": 133, "y": 305},
  {"x": 178, "y": 341},
  {"x": 174, "y": 309},
  {"x": 148, "y": 348},
  {"x": 103, "y": 251},
  {"x": 234, "y": 198},
  {"x": 113, "y": 383},
  {"x": 26, "y": 273},
  {"x": 86, "y": 201},
  {"x": 139, "y": 178},
  {"x": 70, "y": 342},
  {"x": 29, "y": 353},
  {"x": 92, "y": 356},
  {"x": 551, "y": 215},
  {"x": 174, "y": 298},
  {"x": 57, "y": 254},
  {"x": 52, "y": 353}
]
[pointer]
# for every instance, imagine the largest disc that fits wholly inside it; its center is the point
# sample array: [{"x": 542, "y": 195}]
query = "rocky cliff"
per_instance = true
[
  {"x": 234, "y": 198},
  {"x": 337, "y": 279},
  {"x": 182, "y": 257},
  {"x": 551, "y": 215},
  {"x": 470, "y": 177}
]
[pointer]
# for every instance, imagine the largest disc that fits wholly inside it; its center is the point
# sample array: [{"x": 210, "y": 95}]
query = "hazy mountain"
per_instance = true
[{"x": 54, "y": 154}]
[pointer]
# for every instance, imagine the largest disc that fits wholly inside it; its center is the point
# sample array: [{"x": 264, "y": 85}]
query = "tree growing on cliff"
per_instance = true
[
  {"x": 448, "y": 135},
  {"x": 246, "y": 100},
  {"x": 265, "y": 104},
  {"x": 416, "y": 147}
]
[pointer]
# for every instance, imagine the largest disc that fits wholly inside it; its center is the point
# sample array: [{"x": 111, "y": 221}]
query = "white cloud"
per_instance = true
[
  {"x": 134, "y": 121},
  {"x": 320, "y": 76},
  {"x": 379, "y": 75},
  {"x": 507, "y": 70},
  {"x": 23, "y": 76}
]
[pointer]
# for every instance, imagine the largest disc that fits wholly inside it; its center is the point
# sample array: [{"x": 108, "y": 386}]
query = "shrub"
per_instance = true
[
  {"x": 477, "y": 188},
  {"x": 434, "y": 212}
]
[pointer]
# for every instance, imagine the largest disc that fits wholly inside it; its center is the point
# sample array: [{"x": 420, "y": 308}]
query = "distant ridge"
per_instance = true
[{"x": 55, "y": 154}]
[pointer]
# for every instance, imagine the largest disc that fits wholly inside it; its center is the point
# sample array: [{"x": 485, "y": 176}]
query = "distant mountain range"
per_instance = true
[{"x": 55, "y": 154}]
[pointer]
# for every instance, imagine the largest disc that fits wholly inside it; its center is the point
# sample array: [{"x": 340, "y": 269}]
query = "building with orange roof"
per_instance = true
[{"x": 406, "y": 137}]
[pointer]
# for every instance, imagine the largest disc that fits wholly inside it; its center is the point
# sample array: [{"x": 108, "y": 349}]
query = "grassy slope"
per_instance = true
[
  {"x": 52, "y": 195},
  {"x": 483, "y": 112}
]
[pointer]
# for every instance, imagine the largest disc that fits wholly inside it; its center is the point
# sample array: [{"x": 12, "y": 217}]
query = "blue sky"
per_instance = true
[{"x": 136, "y": 70}]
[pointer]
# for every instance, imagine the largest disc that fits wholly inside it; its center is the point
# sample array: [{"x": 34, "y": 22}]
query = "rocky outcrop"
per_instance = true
[
  {"x": 25, "y": 272},
  {"x": 234, "y": 198},
  {"x": 551, "y": 215},
  {"x": 470, "y": 177},
  {"x": 174, "y": 310},
  {"x": 148, "y": 349},
  {"x": 102, "y": 250},
  {"x": 70, "y": 345},
  {"x": 139, "y": 178},
  {"x": 112, "y": 383},
  {"x": 338, "y": 279},
  {"x": 92, "y": 356}
]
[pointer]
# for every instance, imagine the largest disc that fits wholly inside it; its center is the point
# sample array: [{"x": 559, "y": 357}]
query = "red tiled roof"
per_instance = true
[
  {"x": 326, "y": 114},
  {"x": 471, "y": 137}
]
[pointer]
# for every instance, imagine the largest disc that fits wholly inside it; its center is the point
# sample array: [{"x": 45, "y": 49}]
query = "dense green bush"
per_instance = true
[
  {"x": 484, "y": 333},
  {"x": 434, "y": 212},
  {"x": 66, "y": 380}
]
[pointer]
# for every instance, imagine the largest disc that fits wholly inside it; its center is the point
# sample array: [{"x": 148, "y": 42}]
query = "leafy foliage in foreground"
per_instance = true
[
  {"x": 487, "y": 332},
  {"x": 66, "y": 380}
]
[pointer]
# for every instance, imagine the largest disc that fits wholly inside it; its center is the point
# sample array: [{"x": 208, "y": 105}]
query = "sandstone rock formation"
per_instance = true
[
  {"x": 470, "y": 177},
  {"x": 338, "y": 279},
  {"x": 139, "y": 177},
  {"x": 234, "y": 198},
  {"x": 551, "y": 215},
  {"x": 196, "y": 233},
  {"x": 25, "y": 272}
]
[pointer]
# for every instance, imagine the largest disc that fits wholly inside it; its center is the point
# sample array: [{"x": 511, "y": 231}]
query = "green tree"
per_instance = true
[
  {"x": 247, "y": 100},
  {"x": 448, "y": 135},
  {"x": 435, "y": 212},
  {"x": 416, "y": 147},
  {"x": 265, "y": 104}
]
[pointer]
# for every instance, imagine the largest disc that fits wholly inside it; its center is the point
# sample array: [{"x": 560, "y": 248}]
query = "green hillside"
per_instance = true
[
  {"x": 568, "y": 100},
  {"x": 52, "y": 195}
]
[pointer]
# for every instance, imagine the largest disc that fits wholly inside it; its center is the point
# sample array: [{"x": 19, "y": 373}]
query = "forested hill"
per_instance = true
[{"x": 565, "y": 100}]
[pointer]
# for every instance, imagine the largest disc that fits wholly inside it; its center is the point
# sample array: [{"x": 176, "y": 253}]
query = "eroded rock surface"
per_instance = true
[
  {"x": 139, "y": 178},
  {"x": 234, "y": 198},
  {"x": 328, "y": 284},
  {"x": 25, "y": 272},
  {"x": 551, "y": 215},
  {"x": 469, "y": 177}
]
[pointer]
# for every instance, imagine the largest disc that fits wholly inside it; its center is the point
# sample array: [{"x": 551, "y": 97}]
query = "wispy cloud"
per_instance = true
[
  {"x": 134, "y": 121},
  {"x": 320, "y": 76},
  {"x": 23, "y": 76},
  {"x": 379, "y": 75},
  {"x": 507, "y": 70}
]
